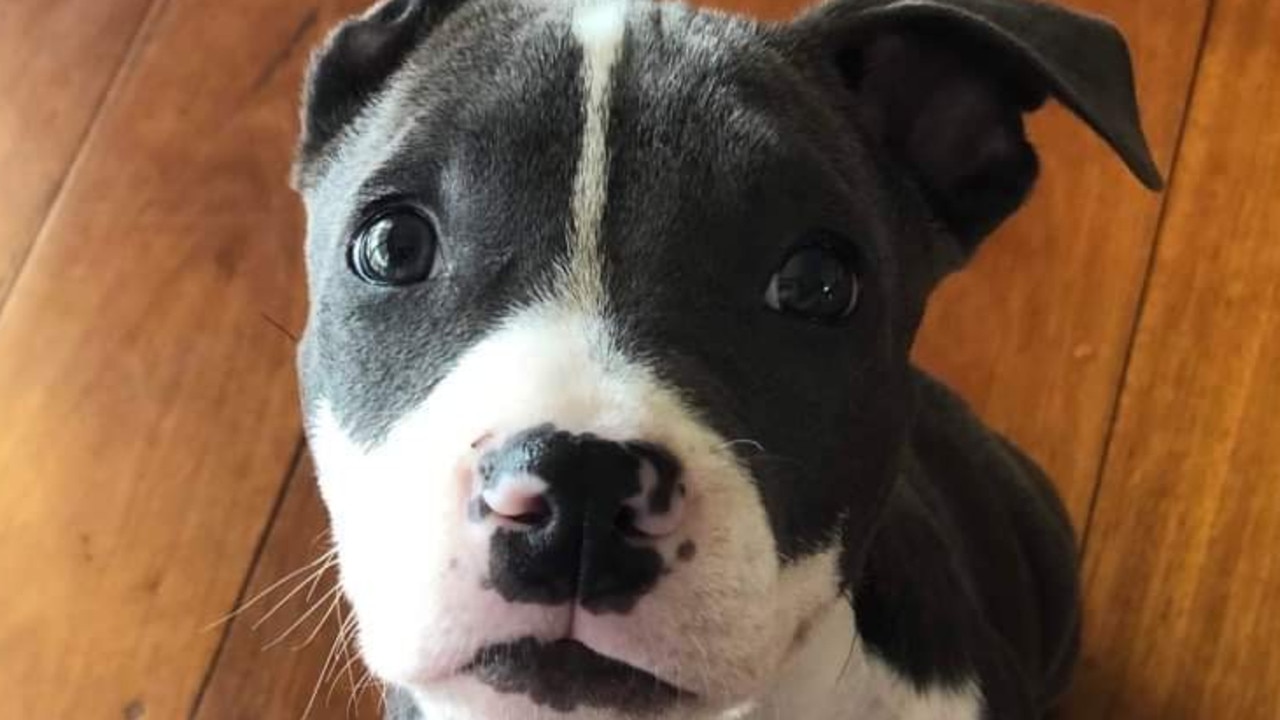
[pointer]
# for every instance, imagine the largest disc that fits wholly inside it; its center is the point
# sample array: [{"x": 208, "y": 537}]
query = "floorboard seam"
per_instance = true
[
  {"x": 259, "y": 549},
  {"x": 1145, "y": 286}
]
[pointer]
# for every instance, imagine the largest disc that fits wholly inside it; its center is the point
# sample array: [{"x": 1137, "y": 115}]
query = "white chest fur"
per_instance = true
[{"x": 834, "y": 677}]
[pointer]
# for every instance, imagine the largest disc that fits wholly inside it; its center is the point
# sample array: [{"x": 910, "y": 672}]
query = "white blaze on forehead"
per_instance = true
[{"x": 600, "y": 27}]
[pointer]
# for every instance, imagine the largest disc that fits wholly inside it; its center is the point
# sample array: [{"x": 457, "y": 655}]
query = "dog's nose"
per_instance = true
[
  {"x": 544, "y": 480},
  {"x": 576, "y": 516}
]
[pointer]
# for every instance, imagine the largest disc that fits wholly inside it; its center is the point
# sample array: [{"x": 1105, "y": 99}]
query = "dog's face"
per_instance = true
[{"x": 606, "y": 369}]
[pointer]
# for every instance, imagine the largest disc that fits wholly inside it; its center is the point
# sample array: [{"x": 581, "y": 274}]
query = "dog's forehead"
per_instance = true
[
  {"x": 494, "y": 47},
  {"x": 666, "y": 158},
  {"x": 618, "y": 181},
  {"x": 504, "y": 76}
]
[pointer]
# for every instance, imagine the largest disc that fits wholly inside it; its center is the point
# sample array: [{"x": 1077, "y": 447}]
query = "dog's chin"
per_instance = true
[
  {"x": 567, "y": 676},
  {"x": 560, "y": 678}
]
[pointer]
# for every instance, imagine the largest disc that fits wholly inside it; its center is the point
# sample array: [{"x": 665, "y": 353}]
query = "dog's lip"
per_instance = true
[{"x": 570, "y": 666}]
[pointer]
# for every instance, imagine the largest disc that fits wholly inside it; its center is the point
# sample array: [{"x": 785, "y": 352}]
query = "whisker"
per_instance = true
[
  {"x": 705, "y": 666},
  {"x": 315, "y": 580},
  {"x": 369, "y": 682},
  {"x": 330, "y": 562},
  {"x": 279, "y": 326},
  {"x": 358, "y": 690},
  {"x": 344, "y": 650},
  {"x": 730, "y": 444},
  {"x": 267, "y": 591},
  {"x": 761, "y": 454},
  {"x": 319, "y": 626},
  {"x": 324, "y": 671},
  {"x": 310, "y": 611},
  {"x": 345, "y": 626},
  {"x": 339, "y": 672}
]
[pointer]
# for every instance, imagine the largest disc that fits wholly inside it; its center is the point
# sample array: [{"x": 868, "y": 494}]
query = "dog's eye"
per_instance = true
[
  {"x": 396, "y": 247},
  {"x": 814, "y": 282}
]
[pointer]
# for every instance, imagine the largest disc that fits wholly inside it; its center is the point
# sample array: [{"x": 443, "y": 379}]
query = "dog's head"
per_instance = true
[{"x": 606, "y": 371}]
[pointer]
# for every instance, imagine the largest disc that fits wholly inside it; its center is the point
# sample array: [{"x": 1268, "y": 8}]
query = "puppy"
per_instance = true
[{"x": 606, "y": 371}]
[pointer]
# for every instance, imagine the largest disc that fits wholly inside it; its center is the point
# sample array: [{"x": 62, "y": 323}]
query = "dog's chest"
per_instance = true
[{"x": 836, "y": 677}]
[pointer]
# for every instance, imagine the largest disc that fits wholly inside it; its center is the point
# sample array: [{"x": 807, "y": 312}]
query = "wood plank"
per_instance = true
[
  {"x": 1182, "y": 569},
  {"x": 278, "y": 661},
  {"x": 149, "y": 410},
  {"x": 1035, "y": 332},
  {"x": 57, "y": 59}
]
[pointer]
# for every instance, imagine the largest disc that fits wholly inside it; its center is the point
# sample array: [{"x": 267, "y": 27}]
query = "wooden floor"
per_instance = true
[{"x": 151, "y": 474}]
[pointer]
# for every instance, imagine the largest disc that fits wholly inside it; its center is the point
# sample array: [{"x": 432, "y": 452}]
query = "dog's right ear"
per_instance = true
[
  {"x": 354, "y": 64},
  {"x": 941, "y": 86}
]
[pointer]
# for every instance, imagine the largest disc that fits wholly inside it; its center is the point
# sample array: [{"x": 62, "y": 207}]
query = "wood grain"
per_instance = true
[
  {"x": 1182, "y": 570},
  {"x": 282, "y": 657},
  {"x": 57, "y": 59},
  {"x": 1035, "y": 332},
  {"x": 149, "y": 409}
]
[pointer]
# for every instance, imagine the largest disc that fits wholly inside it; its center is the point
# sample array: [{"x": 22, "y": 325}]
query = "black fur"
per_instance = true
[{"x": 564, "y": 674}]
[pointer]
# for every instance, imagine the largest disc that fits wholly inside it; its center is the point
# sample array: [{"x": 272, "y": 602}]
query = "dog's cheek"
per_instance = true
[
  {"x": 750, "y": 605},
  {"x": 707, "y": 619},
  {"x": 725, "y": 617},
  {"x": 393, "y": 532}
]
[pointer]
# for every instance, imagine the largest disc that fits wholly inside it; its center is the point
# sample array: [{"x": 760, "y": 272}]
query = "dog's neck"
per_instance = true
[{"x": 834, "y": 676}]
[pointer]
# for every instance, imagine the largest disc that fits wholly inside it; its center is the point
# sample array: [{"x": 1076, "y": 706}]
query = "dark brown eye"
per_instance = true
[
  {"x": 814, "y": 283},
  {"x": 397, "y": 247}
]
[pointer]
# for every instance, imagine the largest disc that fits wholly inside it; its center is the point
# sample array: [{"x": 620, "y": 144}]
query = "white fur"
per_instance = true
[{"x": 836, "y": 678}]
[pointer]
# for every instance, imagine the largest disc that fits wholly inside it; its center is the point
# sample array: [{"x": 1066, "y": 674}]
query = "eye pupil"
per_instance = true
[
  {"x": 397, "y": 247},
  {"x": 814, "y": 282}
]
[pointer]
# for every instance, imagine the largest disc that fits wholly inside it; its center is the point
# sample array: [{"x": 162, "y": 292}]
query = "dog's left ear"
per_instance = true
[{"x": 942, "y": 85}]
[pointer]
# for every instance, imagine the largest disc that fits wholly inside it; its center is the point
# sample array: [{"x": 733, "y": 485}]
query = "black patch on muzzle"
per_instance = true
[{"x": 565, "y": 674}]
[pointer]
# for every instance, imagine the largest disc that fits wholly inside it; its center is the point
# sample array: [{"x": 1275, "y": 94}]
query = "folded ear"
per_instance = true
[
  {"x": 354, "y": 64},
  {"x": 942, "y": 85}
]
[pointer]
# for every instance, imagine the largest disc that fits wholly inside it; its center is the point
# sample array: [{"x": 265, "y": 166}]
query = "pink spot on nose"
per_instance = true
[
  {"x": 519, "y": 498},
  {"x": 655, "y": 523},
  {"x": 657, "y": 511}
]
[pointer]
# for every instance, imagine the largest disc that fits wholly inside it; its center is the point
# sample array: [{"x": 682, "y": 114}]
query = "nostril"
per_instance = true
[
  {"x": 536, "y": 516},
  {"x": 625, "y": 523}
]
